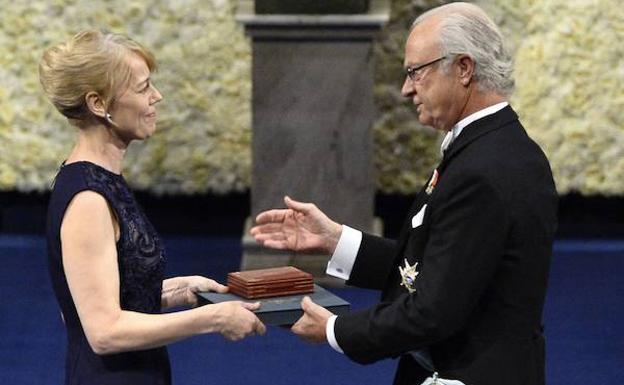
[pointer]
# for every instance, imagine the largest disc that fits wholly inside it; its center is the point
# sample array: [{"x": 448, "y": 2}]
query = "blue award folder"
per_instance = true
[{"x": 284, "y": 310}]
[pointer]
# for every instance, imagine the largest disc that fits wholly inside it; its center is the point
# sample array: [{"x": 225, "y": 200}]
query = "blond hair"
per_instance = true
[{"x": 91, "y": 61}]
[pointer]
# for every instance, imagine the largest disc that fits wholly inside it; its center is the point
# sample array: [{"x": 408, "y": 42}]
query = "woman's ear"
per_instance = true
[
  {"x": 95, "y": 104},
  {"x": 466, "y": 68}
]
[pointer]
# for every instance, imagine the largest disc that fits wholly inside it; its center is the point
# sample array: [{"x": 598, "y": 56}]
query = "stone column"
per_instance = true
[{"x": 312, "y": 117}]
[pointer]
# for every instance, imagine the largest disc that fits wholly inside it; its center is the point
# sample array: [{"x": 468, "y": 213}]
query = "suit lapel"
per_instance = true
[{"x": 420, "y": 200}]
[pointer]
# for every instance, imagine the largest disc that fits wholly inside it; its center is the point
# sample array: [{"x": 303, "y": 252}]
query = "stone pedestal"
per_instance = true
[{"x": 312, "y": 117}]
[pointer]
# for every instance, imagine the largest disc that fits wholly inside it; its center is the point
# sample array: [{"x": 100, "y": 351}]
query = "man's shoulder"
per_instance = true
[
  {"x": 506, "y": 144},
  {"x": 501, "y": 157}
]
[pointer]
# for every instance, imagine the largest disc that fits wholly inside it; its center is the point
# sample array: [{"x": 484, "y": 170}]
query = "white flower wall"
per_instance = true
[
  {"x": 570, "y": 93},
  {"x": 203, "y": 134},
  {"x": 569, "y": 76}
]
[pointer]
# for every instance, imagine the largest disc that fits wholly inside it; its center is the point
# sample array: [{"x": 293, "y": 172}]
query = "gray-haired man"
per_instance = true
[{"x": 463, "y": 287}]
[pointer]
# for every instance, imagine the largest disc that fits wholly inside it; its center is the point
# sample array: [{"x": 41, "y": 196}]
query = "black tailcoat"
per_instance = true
[{"x": 483, "y": 252}]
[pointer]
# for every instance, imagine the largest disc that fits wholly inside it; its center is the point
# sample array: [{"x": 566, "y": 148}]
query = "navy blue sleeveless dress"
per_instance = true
[{"x": 141, "y": 262}]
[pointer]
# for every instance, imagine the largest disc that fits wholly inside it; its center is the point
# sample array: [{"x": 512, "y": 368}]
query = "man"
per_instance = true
[{"x": 463, "y": 288}]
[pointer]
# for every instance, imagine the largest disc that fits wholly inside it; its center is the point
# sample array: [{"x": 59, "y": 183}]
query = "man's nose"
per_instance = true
[{"x": 408, "y": 87}]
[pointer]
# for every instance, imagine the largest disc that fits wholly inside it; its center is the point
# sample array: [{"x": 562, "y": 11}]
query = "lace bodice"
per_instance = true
[{"x": 140, "y": 252}]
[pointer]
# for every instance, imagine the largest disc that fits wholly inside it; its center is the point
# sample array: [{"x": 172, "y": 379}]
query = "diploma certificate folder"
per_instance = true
[{"x": 283, "y": 310}]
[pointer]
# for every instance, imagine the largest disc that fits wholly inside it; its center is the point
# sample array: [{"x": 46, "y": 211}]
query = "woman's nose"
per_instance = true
[{"x": 156, "y": 96}]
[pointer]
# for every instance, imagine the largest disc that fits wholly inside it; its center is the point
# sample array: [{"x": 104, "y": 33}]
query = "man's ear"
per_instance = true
[
  {"x": 95, "y": 104},
  {"x": 466, "y": 68}
]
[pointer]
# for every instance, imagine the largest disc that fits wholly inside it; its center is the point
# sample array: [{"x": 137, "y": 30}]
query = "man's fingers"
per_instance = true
[
  {"x": 314, "y": 310},
  {"x": 268, "y": 232},
  {"x": 302, "y": 329},
  {"x": 273, "y": 242},
  {"x": 274, "y": 215},
  {"x": 297, "y": 206},
  {"x": 297, "y": 328},
  {"x": 267, "y": 228},
  {"x": 279, "y": 245},
  {"x": 307, "y": 304},
  {"x": 310, "y": 306}
]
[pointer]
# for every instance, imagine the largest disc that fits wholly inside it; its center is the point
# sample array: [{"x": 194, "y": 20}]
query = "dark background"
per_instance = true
[{"x": 595, "y": 217}]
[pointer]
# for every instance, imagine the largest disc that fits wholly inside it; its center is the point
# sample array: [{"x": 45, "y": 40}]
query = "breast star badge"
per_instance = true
[{"x": 408, "y": 276}]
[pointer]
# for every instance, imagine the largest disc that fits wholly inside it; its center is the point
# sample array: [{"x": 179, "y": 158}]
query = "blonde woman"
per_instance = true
[{"x": 106, "y": 260}]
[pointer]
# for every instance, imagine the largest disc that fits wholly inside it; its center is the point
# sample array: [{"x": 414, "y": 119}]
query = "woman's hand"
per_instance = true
[
  {"x": 236, "y": 320},
  {"x": 181, "y": 291}
]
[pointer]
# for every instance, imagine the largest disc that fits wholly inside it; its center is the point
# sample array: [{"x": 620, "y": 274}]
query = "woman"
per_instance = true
[{"x": 106, "y": 260}]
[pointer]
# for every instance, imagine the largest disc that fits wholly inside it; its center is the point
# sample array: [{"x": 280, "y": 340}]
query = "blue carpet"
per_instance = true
[{"x": 584, "y": 322}]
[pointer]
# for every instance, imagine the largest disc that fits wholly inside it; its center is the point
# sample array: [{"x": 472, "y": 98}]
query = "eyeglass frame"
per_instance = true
[{"x": 412, "y": 71}]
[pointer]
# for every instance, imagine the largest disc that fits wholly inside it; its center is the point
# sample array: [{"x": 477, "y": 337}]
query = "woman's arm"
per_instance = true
[{"x": 90, "y": 264}]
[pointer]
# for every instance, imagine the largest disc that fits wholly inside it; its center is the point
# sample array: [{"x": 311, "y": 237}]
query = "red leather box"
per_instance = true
[{"x": 272, "y": 282}]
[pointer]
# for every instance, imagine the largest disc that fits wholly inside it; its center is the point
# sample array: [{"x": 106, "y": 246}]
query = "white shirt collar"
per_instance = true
[{"x": 459, "y": 127}]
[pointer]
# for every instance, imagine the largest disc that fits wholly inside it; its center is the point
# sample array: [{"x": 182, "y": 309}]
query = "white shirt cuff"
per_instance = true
[
  {"x": 341, "y": 262},
  {"x": 331, "y": 337}
]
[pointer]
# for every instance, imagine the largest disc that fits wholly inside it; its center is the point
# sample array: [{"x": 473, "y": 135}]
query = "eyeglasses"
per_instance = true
[{"x": 416, "y": 73}]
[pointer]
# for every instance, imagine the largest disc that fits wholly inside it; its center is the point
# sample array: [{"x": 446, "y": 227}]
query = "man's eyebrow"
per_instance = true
[{"x": 410, "y": 64}]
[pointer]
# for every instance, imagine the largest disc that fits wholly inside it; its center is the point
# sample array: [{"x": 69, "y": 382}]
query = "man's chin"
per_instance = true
[{"x": 424, "y": 120}]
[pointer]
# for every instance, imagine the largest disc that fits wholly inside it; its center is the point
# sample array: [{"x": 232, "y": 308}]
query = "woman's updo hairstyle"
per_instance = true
[{"x": 90, "y": 61}]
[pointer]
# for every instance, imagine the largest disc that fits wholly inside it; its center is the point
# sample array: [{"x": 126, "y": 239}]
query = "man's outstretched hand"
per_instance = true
[{"x": 298, "y": 227}]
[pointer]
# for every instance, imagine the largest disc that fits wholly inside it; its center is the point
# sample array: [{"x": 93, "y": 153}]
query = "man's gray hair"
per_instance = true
[{"x": 466, "y": 29}]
